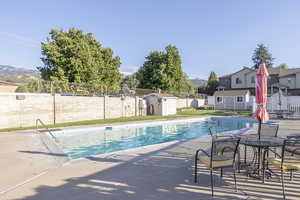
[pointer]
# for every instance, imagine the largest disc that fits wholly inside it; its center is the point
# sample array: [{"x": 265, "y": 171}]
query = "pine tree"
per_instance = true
[
  {"x": 212, "y": 84},
  {"x": 262, "y": 55}
]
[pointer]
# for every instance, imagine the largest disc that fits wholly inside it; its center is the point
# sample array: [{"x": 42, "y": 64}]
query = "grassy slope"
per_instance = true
[{"x": 182, "y": 113}]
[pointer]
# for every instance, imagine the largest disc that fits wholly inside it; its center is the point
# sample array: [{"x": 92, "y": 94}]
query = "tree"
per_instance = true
[
  {"x": 130, "y": 81},
  {"x": 262, "y": 55},
  {"x": 162, "y": 70},
  {"x": 74, "y": 56},
  {"x": 283, "y": 66},
  {"x": 212, "y": 84}
]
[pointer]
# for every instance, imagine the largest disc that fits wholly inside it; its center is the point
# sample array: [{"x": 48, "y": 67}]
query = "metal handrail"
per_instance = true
[{"x": 46, "y": 127}]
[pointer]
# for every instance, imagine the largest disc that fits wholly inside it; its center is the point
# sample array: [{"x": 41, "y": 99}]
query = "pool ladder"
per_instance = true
[{"x": 39, "y": 121}]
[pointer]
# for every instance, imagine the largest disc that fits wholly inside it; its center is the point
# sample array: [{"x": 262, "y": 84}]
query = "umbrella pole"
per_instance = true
[
  {"x": 259, "y": 149},
  {"x": 259, "y": 128}
]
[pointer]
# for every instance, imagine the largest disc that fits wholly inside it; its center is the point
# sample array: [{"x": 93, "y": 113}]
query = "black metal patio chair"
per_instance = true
[
  {"x": 269, "y": 130},
  {"x": 226, "y": 146},
  {"x": 266, "y": 131},
  {"x": 221, "y": 155},
  {"x": 286, "y": 163}
]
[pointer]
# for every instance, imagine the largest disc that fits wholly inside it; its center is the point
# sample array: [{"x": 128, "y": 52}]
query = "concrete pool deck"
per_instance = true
[{"x": 163, "y": 171}]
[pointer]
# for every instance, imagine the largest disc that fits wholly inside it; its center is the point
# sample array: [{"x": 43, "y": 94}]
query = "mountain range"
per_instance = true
[
  {"x": 197, "y": 82},
  {"x": 23, "y": 75},
  {"x": 17, "y": 74}
]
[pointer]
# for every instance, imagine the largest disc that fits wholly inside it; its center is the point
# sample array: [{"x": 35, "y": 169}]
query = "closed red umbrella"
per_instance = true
[{"x": 261, "y": 92}]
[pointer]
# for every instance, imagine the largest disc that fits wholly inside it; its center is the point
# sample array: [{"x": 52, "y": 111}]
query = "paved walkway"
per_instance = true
[{"x": 152, "y": 173}]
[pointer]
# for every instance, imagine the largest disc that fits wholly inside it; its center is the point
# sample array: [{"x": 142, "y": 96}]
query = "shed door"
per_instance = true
[{"x": 229, "y": 103}]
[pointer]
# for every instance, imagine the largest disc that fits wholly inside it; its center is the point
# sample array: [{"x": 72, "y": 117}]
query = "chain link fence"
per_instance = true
[{"x": 83, "y": 89}]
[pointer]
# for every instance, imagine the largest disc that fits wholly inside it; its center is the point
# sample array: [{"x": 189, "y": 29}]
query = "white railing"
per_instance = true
[
  {"x": 39, "y": 121},
  {"x": 294, "y": 108}
]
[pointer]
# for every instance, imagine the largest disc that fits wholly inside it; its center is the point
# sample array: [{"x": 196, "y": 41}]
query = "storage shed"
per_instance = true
[
  {"x": 161, "y": 104},
  {"x": 232, "y": 100}
]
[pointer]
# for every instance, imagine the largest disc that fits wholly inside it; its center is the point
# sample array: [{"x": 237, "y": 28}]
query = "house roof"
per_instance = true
[
  {"x": 274, "y": 70},
  {"x": 225, "y": 76},
  {"x": 244, "y": 68},
  {"x": 288, "y": 72},
  {"x": 231, "y": 93}
]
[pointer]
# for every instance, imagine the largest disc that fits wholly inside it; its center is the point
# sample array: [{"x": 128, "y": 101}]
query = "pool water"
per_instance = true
[{"x": 93, "y": 141}]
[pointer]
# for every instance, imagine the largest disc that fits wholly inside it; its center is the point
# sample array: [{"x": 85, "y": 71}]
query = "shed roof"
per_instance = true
[{"x": 231, "y": 93}]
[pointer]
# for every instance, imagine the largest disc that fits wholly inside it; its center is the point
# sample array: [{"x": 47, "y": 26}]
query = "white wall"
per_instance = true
[
  {"x": 211, "y": 100},
  {"x": 298, "y": 80},
  {"x": 242, "y": 76},
  {"x": 249, "y": 76},
  {"x": 230, "y": 102},
  {"x": 289, "y": 81},
  {"x": 189, "y": 102},
  {"x": 169, "y": 106}
]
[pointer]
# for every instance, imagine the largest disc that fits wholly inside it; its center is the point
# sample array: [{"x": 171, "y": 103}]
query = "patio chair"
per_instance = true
[
  {"x": 269, "y": 130},
  {"x": 213, "y": 132},
  {"x": 287, "y": 163},
  {"x": 266, "y": 131},
  {"x": 225, "y": 146},
  {"x": 221, "y": 155}
]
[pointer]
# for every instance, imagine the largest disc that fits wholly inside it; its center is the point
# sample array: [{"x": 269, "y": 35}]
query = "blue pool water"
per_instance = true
[{"x": 93, "y": 141}]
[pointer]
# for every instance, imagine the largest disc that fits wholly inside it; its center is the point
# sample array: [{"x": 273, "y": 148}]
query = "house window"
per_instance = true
[
  {"x": 219, "y": 99},
  {"x": 238, "y": 81},
  {"x": 252, "y": 79},
  {"x": 289, "y": 80},
  {"x": 239, "y": 99}
]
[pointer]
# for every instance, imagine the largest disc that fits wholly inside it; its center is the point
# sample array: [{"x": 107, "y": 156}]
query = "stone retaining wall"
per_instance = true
[{"x": 22, "y": 109}]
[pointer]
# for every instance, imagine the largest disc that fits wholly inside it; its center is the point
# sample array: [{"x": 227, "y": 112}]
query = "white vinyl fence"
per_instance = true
[{"x": 290, "y": 103}]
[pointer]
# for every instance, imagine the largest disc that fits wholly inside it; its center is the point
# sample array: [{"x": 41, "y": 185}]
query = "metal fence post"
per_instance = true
[{"x": 54, "y": 109}]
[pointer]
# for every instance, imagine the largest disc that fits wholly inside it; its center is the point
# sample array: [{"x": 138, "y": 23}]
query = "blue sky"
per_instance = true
[{"x": 212, "y": 35}]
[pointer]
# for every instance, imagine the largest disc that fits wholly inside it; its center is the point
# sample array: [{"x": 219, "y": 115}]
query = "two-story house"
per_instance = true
[
  {"x": 290, "y": 78},
  {"x": 242, "y": 79},
  {"x": 286, "y": 79}
]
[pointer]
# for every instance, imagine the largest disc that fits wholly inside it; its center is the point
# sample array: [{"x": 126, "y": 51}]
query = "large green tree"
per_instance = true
[
  {"x": 74, "y": 56},
  {"x": 212, "y": 84},
  {"x": 262, "y": 55},
  {"x": 162, "y": 70}
]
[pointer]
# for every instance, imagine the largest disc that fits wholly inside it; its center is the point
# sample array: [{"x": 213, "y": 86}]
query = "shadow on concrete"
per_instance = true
[
  {"x": 45, "y": 153},
  {"x": 163, "y": 174}
]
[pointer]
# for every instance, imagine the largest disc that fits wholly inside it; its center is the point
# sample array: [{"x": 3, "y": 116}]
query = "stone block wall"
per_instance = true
[
  {"x": 78, "y": 108},
  {"x": 189, "y": 102},
  {"x": 23, "y": 109}
]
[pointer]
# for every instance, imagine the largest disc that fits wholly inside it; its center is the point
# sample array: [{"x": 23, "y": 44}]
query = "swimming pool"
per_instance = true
[{"x": 87, "y": 142}]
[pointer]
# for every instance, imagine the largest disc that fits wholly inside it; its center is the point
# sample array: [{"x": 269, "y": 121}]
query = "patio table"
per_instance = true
[{"x": 263, "y": 144}]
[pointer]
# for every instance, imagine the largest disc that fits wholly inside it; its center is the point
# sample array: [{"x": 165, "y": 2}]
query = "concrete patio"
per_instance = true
[{"x": 156, "y": 172}]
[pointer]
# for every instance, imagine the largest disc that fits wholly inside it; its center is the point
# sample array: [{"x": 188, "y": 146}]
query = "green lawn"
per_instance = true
[
  {"x": 191, "y": 112},
  {"x": 181, "y": 113}
]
